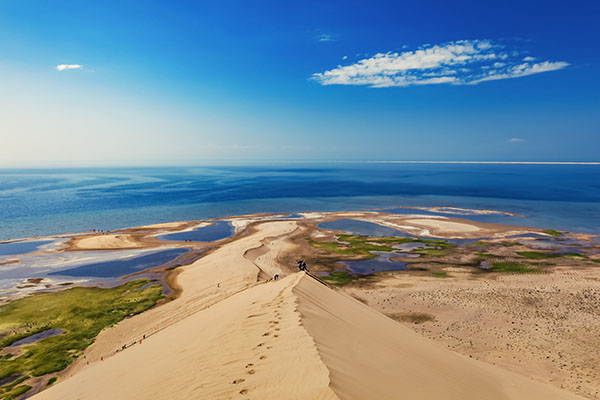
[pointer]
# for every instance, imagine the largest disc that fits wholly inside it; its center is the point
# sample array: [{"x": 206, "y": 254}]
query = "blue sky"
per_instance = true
[{"x": 163, "y": 83}]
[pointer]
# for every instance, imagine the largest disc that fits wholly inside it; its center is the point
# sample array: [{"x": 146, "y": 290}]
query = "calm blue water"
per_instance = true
[
  {"x": 42, "y": 202},
  {"x": 381, "y": 263},
  {"x": 7, "y": 249},
  {"x": 210, "y": 233},
  {"x": 126, "y": 266},
  {"x": 363, "y": 228}
]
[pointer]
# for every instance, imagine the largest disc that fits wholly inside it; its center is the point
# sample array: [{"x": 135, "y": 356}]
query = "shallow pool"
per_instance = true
[
  {"x": 219, "y": 230},
  {"x": 123, "y": 266},
  {"x": 362, "y": 228},
  {"x": 381, "y": 263},
  {"x": 12, "y": 248}
]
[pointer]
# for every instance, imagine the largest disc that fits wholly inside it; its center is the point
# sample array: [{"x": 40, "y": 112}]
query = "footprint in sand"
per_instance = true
[
  {"x": 277, "y": 329},
  {"x": 251, "y": 372},
  {"x": 243, "y": 391},
  {"x": 275, "y": 335},
  {"x": 260, "y": 344},
  {"x": 266, "y": 334},
  {"x": 263, "y": 357},
  {"x": 249, "y": 365},
  {"x": 236, "y": 381}
]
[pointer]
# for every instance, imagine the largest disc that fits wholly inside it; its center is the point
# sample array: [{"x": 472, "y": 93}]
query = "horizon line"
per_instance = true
[{"x": 254, "y": 162}]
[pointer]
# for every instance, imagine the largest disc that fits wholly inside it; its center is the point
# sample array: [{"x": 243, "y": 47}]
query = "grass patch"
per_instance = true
[
  {"x": 351, "y": 245},
  {"x": 553, "y": 232},
  {"x": 356, "y": 245},
  {"x": 339, "y": 278},
  {"x": 81, "y": 312},
  {"x": 573, "y": 255},
  {"x": 483, "y": 254},
  {"x": 536, "y": 255},
  {"x": 413, "y": 318},
  {"x": 514, "y": 267},
  {"x": 52, "y": 380},
  {"x": 483, "y": 244},
  {"x": 440, "y": 274},
  {"x": 16, "y": 392}
]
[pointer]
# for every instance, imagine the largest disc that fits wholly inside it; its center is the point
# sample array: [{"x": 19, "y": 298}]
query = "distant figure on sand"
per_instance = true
[
  {"x": 276, "y": 277},
  {"x": 302, "y": 266}
]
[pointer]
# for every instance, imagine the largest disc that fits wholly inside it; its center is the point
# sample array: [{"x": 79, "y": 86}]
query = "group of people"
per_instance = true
[{"x": 302, "y": 266}]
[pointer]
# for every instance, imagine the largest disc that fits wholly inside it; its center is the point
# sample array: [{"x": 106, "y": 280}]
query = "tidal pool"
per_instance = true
[
  {"x": 219, "y": 230},
  {"x": 38, "y": 336},
  {"x": 123, "y": 266},
  {"x": 363, "y": 228},
  {"x": 13, "y": 248},
  {"x": 381, "y": 263}
]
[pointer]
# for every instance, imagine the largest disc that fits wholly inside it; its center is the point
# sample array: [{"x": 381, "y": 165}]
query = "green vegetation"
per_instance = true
[
  {"x": 14, "y": 393},
  {"x": 11, "y": 391},
  {"x": 80, "y": 312},
  {"x": 514, "y": 267},
  {"x": 351, "y": 245},
  {"x": 483, "y": 244},
  {"x": 552, "y": 232},
  {"x": 355, "y": 245},
  {"x": 483, "y": 254},
  {"x": 536, "y": 255},
  {"x": 339, "y": 278},
  {"x": 413, "y": 318},
  {"x": 509, "y": 243},
  {"x": 52, "y": 380},
  {"x": 440, "y": 274}
]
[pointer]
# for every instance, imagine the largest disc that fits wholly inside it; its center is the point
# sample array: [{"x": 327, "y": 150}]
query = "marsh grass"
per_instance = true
[
  {"x": 537, "y": 255},
  {"x": 440, "y": 274},
  {"x": 513, "y": 267},
  {"x": 80, "y": 312},
  {"x": 553, "y": 232},
  {"x": 16, "y": 392},
  {"x": 356, "y": 245},
  {"x": 413, "y": 318},
  {"x": 339, "y": 278}
]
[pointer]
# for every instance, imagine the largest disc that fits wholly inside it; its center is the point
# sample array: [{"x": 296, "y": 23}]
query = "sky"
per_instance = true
[{"x": 202, "y": 82}]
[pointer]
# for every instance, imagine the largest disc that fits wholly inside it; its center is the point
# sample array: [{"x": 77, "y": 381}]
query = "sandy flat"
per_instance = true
[
  {"x": 120, "y": 241},
  {"x": 444, "y": 226},
  {"x": 230, "y": 336}
]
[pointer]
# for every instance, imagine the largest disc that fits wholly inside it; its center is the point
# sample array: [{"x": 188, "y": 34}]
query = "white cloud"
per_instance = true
[
  {"x": 529, "y": 58},
  {"x": 345, "y": 57},
  {"x": 64, "y": 67},
  {"x": 515, "y": 140},
  {"x": 446, "y": 63},
  {"x": 326, "y": 38}
]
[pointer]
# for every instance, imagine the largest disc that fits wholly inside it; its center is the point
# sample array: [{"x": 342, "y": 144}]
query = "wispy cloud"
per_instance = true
[
  {"x": 326, "y": 38},
  {"x": 515, "y": 140},
  {"x": 65, "y": 67},
  {"x": 464, "y": 62}
]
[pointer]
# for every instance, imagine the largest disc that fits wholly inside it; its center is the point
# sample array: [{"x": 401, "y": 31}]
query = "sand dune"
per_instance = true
[
  {"x": 121, "y": 241},
  {"x": 229, "y": 336}
]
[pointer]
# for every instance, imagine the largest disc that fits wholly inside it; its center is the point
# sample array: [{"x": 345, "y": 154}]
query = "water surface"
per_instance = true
[
  {"x": 363, "y": 228},
  {"x": 219, "y": 230},
  {"x": 13, "y": 248},
  {"x": 121, "y": 267}
]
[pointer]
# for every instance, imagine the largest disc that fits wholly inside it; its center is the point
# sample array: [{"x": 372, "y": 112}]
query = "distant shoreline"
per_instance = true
[{"x": 483, "y": 162}]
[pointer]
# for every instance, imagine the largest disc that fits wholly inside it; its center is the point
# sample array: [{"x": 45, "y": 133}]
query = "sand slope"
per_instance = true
[{"x": 370, "y": 356}]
